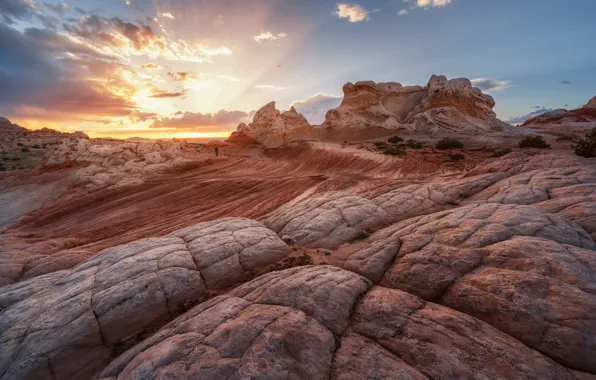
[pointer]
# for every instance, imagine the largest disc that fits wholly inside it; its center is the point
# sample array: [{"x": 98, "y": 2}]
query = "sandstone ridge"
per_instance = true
[{"x": 372, "y": 109}]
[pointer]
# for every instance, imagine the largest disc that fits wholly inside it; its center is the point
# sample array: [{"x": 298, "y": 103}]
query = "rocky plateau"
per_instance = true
[{"x": 308, "y": 251}]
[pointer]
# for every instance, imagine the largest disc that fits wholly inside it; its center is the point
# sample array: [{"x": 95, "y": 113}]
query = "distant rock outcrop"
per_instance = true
[
  {"x": 443, "y": 105},
  {"x": 7, "y": 127},
  {"x": 585, "y": 114},
  {"x": 273, "y": 128},
  {"x": 369, "y": 109}
]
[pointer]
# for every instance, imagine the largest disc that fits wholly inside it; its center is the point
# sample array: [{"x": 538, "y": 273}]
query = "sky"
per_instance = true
[{"x": 197, "y": 68}]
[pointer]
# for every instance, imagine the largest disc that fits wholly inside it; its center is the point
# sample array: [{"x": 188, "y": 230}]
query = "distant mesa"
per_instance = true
[
  {"x": 6, "y": 127},
  {"x": 585, "y": 114},
  {"x": 369, "y": 109}
]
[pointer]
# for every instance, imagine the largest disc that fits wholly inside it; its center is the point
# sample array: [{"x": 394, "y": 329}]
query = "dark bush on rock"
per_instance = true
[
  {"x": 381, "y": 145},
  {"x": 395, "y": 151},
  {"x": 502, "y": 152},
  {"x": 449, "y": 143},
  {"x": 395, "y": 139},
  {"x": 413, "y": 144},
  {"x": 534, "y": 142},
  {"x": 455, "y": 156},
  {"x": 586, "y": 147}
]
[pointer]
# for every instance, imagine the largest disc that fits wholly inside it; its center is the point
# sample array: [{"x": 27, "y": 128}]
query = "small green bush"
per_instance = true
[
  {"x": 586, "y": 147},
  {"x": 449, "y": 143},
  {"x": 534, "y": 142},
  {"x": 381, "y": 145},
  {"x": 566, "y": 138},
  {"x": 502, "y": 152},
  {"x": 395, "y": 151},
  {"x": 455, "y": 156},
  {"x": 395, "y": 139},
  {"x": 413, "y": 144}
]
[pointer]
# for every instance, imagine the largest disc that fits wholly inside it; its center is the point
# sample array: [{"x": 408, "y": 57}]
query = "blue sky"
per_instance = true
[{"x": 218, "y": 60}]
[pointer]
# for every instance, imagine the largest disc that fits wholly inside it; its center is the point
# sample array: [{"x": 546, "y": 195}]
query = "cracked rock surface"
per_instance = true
[{"x": 120, "y": 292}]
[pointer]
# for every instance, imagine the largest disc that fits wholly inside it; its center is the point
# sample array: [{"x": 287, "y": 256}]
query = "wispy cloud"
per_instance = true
[
  {"x": 166, "y": 15},
  {"x": 403, "y": 12},
  {"x": 486, "y": 84},
  {"x": 353, "y": 12},
  {"x": 193, "y": 120},
  {"x": 315, "y": 107},
  {"x": 269, "y": 37},
  {"x": 432, "y": 3},
  {"x": 269, "y": 87},
  {"x": 58, "y": 8}
]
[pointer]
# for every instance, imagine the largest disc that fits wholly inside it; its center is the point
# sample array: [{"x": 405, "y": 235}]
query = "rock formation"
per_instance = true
[
  {"x": 272, "y": 128},
  {"x": 585, "y": 114},
  {"x": 6, "y": 127},
  {"x": 369, "y": 109},
  {"x": 113, "y": 163},
  {"x": 442, "y": 105},
  {"x": 312, "y": 261}
]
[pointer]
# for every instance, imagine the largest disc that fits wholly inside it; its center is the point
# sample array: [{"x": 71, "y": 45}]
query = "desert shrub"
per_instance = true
[
  {"x": 381, "y": 145},
  {"x": 19, "y": 144},
  {"x": 395, "y": 139},
  {"x": 5, "y": 158},
  {"x": 35, "y": 146},
  {"x": 395, "y": 151},
  {"x": 502, "y": 152},
  {"x": 449, "y": 143},
  {"x": 360, "y": 236},
  {"x": 455, "y": 156},
  {"x": 534, "y": 142},
  {"x": 565, "y": 138},
  {"x": 2, "y": 167},
  {"x": 413, "y": 144},
  {"x": 586, "y": 147},
  {"x": 24, "y": 150}
]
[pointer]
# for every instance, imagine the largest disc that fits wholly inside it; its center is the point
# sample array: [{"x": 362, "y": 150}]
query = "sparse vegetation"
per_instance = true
[
  {"x": 20, "y": 144},
  {"x": 2, "y": 167},
  {"x": 449, "y": 143},
  {"x": 455, "y": 156},
  {"x": 534, "y": 142},
  {"x": 395, "y": 139},
  {"x": 380, "y": 145},
  {"x": 586, "y": 147},
  {"x": 413, "y": 144},
  {"x": 395, "y": 151},
  {"x": 35, "y": 146},
  {"x": 566, "y": 138},
  {"x": 502, "y": 152},
  {"x": 25, "y": 150}
]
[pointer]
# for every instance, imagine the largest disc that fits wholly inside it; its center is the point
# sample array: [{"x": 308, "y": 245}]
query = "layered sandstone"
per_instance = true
[
  {"x": 272, "y": 128},
  {"x": 442, "y": 105},
  {"x": 372, "y": 109},
  {"x": 585, "y": 114}
]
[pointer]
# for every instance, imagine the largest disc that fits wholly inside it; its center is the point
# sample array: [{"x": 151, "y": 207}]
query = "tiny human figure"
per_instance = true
[{"x": 216, "y": 151}]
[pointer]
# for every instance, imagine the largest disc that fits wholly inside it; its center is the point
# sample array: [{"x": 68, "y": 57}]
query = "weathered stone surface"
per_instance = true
[
  {"x": 326, "y": 221},
  {"x": 117, "y": 294},
  {"x": 515, "y": 267},
  {"x": 267, "y": 330},
  {"x": 439, "y": 343}
]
